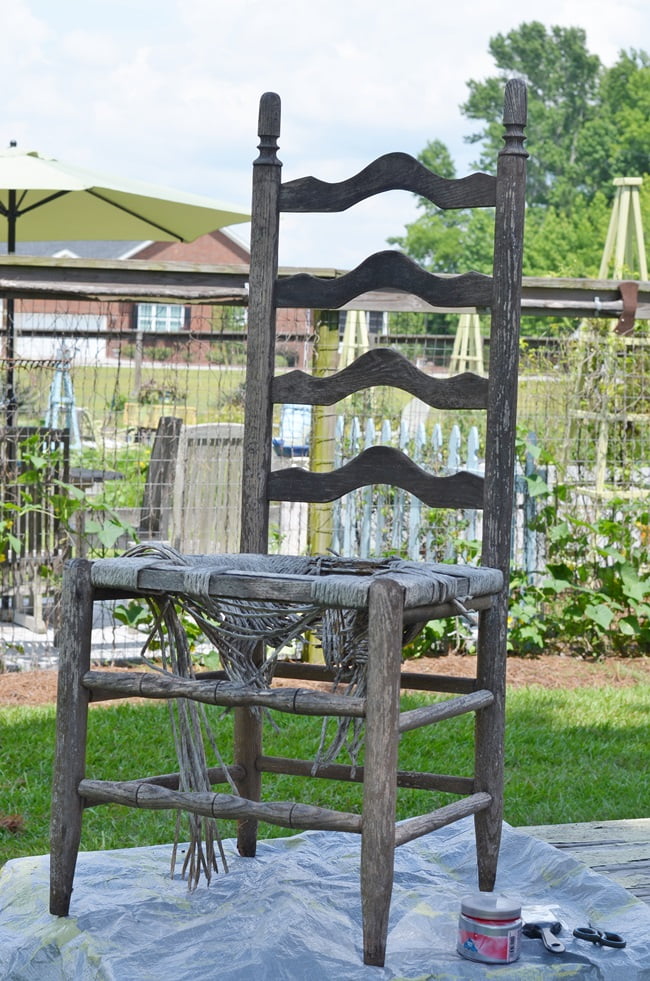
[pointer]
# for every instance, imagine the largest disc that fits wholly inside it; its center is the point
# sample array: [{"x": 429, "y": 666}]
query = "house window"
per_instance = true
[{"x": 161, "y": 318}]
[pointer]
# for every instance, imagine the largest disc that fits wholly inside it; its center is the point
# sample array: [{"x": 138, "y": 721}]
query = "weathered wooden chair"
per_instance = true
[{"x": 363, "y": 608}]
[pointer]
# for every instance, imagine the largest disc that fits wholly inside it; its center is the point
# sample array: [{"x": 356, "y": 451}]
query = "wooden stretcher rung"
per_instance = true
[
  {"x": 139, "y": 793},
  {"x": 428, "y": 714},
  {"x": 149, "y": 684},
  {"x": 425, "y": 823},
  {"x": 412, "y": 779}
]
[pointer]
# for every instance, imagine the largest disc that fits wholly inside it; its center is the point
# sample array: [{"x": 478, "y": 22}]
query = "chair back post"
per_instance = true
[
  {"x": 504, "y": 341},
  {"x": 499, "y": 474},
  {"x": 258, "y": 434},
  {"x": 258, "y": 426}
]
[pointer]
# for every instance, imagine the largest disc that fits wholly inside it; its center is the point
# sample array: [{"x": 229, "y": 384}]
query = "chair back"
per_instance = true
[{"x": 498, "y": 294}]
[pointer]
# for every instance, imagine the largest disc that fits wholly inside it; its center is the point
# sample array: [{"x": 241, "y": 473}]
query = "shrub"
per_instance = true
[{"x": 593, "y": 596}]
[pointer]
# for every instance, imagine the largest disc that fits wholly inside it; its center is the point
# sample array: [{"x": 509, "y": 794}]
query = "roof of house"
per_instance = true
[
  {"x": 77, "y": 250},
  {"x": 97, "y": 249}
]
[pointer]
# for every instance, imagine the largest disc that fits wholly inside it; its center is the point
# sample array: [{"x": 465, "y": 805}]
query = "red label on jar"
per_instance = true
[{"x": 490, "y": 944}]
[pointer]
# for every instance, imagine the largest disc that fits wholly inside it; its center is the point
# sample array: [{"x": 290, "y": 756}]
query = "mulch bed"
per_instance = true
[{"x": 549, "y": 671}]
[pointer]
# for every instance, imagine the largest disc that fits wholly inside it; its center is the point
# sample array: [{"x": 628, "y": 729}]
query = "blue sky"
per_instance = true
[{"x": 167, "y": 91}]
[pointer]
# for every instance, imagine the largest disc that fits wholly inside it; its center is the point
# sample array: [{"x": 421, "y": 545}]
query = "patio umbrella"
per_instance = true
[{"x": 45, "y": 199}]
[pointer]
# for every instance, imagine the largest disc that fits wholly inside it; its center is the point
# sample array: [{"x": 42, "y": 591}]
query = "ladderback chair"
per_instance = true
[{"x": 362, "y": 610}]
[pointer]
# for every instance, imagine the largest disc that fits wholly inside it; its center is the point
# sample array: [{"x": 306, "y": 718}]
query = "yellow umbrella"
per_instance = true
[{"x": 45, "y": 199}]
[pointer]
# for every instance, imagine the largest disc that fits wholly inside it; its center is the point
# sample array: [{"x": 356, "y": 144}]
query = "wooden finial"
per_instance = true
[
  {"x": 515, "y": 106},
  {"x": 268, "y": 129}
]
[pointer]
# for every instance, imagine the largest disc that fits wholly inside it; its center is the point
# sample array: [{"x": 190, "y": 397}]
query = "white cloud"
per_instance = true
[
  {"x": 94, "y": 49},
  {"x": 23, "y": 36},
  {"x": 167, "y": 90}
]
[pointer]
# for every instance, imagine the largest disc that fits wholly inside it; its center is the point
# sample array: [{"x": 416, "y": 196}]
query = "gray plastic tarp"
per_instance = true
[{"x": 293, "y": 913}]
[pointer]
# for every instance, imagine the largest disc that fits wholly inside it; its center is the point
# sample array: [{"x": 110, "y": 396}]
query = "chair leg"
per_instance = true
[
  {"x": 247, "y": 749},
  {"x": 71, "y": 728},
  {"x": 386, "y": 604},
  {"x": 489, "y": 744},
  {"x": 488, "y": 823}
]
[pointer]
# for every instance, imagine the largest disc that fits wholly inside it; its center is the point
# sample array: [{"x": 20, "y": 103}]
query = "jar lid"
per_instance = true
[{"x": 491, "y": 906}]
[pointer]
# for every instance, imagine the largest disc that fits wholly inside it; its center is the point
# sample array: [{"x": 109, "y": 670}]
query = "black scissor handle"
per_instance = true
[
  {"x": 547, "y": 933},
  {"x": 601, "y": 937}
]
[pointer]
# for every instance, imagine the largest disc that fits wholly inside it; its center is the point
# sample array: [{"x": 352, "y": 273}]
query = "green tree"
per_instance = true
[
  {"x": 616, "y": 141},
  {"x": 434, "y": 239},
  {"x": 439, "y": 239},
  {"x": 563, "y": 82},
  {"x": 587, "y": 125},
  {"x": 566, "y": 242}
]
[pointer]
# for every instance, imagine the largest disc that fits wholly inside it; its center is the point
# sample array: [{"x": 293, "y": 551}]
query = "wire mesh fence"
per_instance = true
[{"x": 150, "y": 397}]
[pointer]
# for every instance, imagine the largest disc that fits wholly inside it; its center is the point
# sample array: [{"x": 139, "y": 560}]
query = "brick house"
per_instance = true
[{"x": 172, "y": 332}]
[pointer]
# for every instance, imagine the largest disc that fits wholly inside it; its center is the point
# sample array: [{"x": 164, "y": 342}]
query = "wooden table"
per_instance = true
[{"x": 618, "y": 849}]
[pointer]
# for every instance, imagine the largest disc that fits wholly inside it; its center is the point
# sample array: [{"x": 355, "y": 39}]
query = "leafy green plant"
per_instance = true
[
  {"x": 593, "y": 597},
  {"x": 153, "y": 392},
  {"x": 138, "y": 615},
  {"x": 40, "y": 493},
  {"x": 161, "y": 353},
  {"x": 439, "y": 637},
  {"x": 130, "y": 464},
  {"x": 527, "y": 628},
  {"x": 226, "y": 352}
]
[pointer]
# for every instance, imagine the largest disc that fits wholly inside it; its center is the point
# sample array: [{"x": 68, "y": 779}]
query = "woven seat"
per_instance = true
[
  {"x": 343, "y": 583},
  {"x": 252, "y": 605}
]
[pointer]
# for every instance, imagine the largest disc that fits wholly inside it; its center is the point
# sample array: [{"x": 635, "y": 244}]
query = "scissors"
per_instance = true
[{"x": 601, "y": 937}]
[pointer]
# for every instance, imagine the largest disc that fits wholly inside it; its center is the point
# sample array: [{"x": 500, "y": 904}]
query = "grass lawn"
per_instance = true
[
  {"x": 99, "y": 388},
  {"x": 571, "y": 756}
]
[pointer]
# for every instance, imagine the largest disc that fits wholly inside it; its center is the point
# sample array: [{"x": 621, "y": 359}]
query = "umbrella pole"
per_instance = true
[
  {"x": 10, "y": 394},
  {"x": 9, "y": 317}
]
